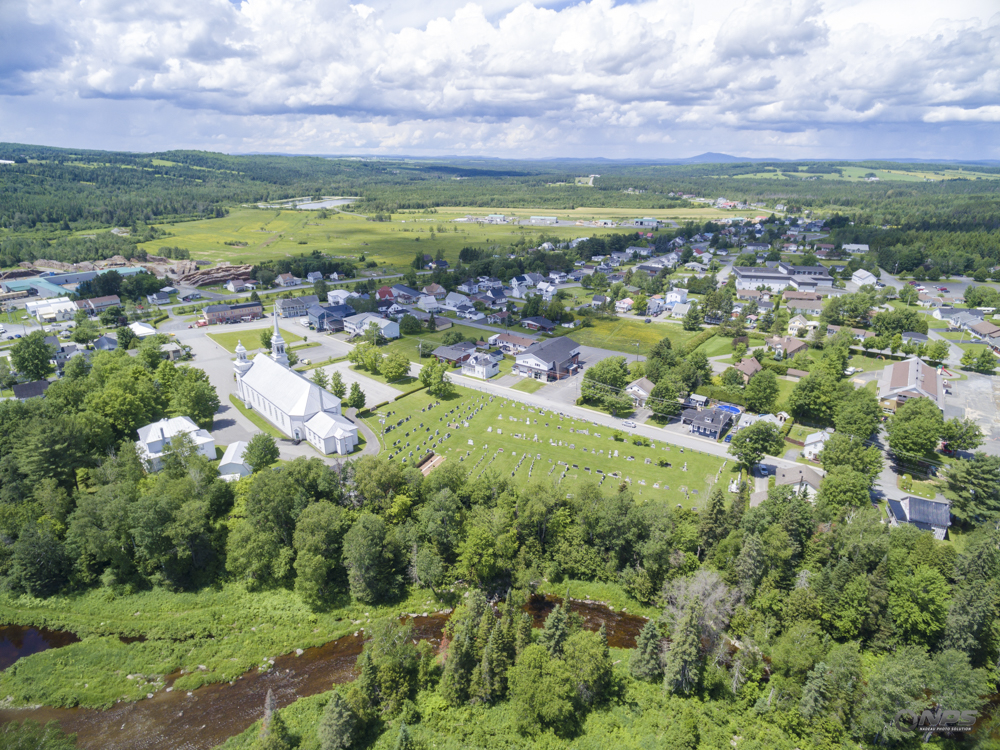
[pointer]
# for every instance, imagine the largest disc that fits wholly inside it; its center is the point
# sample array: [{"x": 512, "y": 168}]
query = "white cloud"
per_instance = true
[{"x": 502, "y": 77}]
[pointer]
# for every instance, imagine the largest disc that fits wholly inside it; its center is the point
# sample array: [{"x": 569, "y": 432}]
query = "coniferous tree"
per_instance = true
[
  {"x": 739, "y": 505},
  {"x": 337, "y": 387},
  {"x": 403, "y": 739},
  {"x": 714, "y": 525},
  {"x": 815, "y": 693},
  {"x": 682, "y": 665},
  {"x": 319, "y": 378},
  {"x": 522, "y": 635},
  {"x": 750, "y": 564},
  {"x": 644, "y": 661},
  {"x": 336, "y": 727},
  {"x": 556, "y": 631}
]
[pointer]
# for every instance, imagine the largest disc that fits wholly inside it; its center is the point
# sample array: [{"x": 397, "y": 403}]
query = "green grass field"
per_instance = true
[
  {"x": 629, "y": 336},
  {"x": 264, "y": 234},
  {"x": 503, "y": 442},
  {"x": 409, "y": 344},
  {"x": 229, "y": 340},
  {"x": 529, "y": 385},
  {"x": 716, "y": 346}
]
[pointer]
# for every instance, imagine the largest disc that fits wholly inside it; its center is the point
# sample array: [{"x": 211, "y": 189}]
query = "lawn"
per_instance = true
[
  {"x": 785, "y": 388},
  {"x": 406, "y": 384},
  {"x": 409, "y": 344},
  {"x": 623, "y": 335},
  {"x": 485, "y": 433},
  {"x": 529, "y": 385},
  {"x": 716, "y": 346},
  {"x": 251, "y": 339},
  {"x": 927, "y": 490}
]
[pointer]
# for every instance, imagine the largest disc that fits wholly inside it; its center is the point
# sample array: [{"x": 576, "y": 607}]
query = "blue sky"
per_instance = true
[{"x": 667, "y": 79}]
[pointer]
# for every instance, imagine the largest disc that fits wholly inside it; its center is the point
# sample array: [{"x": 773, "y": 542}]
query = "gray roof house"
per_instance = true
[{"x": 929, "y": 515}]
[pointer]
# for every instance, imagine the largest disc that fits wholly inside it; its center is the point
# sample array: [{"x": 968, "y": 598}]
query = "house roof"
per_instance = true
[
  {"x": 717, "y": 418},
  {"x": 234, "y": 453},
  {"x": 540, "y": 322},
  {"x": 913, "y": 379},
  {"x": 643, "y": 384},
  {"x": 985, "y": 328},
  {"x": 551, "y": 351},
  {"x": 166, "y": 429},
  {"x": 326, "y": 424},
  {"x": 30, "y": 390},
  {"x": 930, "y": 512},
  {"x": 450, "y": 353},
  {"x": 796, "y": 474},
  {"x": 305, "y": 300},
  {"x": 748, "y": 366},
  {"x": 513, "y": 338}
]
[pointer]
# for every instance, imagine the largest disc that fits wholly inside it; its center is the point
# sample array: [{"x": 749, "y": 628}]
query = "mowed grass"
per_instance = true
[
  {"x": 716, "y": 346},
  {"x": 251, "y": 339},
  {"x": 409, "y": 345},
  {"x": 529, "y": 385},
  {"x": 500, "y": 437},
  {"x": 629, "y": 336}
]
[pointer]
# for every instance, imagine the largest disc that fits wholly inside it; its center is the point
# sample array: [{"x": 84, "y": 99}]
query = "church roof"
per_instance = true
[
  {"x": 289, "y": 391},
  {"x": 327, "y": 425}
]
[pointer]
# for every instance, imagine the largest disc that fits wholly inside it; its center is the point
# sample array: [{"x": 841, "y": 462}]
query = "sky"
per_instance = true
[{"x": 840, "y": 79}]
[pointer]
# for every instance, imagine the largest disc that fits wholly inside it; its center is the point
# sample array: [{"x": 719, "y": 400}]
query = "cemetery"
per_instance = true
[{"x": 487, "y": 433}]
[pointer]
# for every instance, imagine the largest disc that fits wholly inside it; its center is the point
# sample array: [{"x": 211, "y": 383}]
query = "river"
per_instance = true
[{"x": 208, "y": 716}]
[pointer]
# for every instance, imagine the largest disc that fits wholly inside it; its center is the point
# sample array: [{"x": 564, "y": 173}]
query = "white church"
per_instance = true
[{"x": 290, "y": 401}]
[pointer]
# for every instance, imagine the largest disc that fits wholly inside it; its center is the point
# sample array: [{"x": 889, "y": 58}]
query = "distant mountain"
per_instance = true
[{"x": 711, "y": 157}]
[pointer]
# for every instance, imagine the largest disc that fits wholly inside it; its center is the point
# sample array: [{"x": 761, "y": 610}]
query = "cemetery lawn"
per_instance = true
[
  {"x": 515, "y": 450},
  {"x": 251, "y": 339}
]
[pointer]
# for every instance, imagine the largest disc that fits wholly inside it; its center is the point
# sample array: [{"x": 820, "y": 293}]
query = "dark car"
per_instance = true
[{"x": 647, "y": 320}]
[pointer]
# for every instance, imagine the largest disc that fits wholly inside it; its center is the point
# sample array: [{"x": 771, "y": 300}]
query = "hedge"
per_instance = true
[
  {"x": 721, "y": 394},
  {"x": 697, "y": 340}
]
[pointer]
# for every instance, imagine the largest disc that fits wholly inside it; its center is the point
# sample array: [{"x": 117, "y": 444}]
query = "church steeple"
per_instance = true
[{"x": 278, "y": 345}]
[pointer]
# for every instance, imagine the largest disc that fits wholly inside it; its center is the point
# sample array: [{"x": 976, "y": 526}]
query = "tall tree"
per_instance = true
[
  {"x": 556, "y": 631},
  {"x": 261, "y": 452},
  {"x": 357, "y": 398},
  {"x": 320, "y": 378},
  {"x": 369, "y": 558},
  {"x": 915, "y": 429},
  {"x": 682, "y": 665},
  {"x": 752, "y": 443},
  {"x": 337, "y": 387},
  {"x": 974, "y": 489},
  {"x": 762, "y": 392},
  {"x": 30, "y": 356},
  {"x": 335, "y": 730},
  {"x": 644, "y": 661},
  {"x": 713, "y": 524}
]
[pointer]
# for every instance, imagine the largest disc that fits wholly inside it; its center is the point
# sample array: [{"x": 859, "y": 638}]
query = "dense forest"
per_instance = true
[{"x": 788, "y": 624}]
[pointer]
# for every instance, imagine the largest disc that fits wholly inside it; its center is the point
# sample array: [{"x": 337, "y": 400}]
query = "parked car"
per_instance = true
[
  {"x": 942, "y": 289},
  {"x": 914, "y": 283},
  {"x": 628, "y": 423},
  {"x": 647, "y": 320}
]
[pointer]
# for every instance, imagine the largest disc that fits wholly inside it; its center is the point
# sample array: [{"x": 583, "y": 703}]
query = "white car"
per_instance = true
[
  {"x": 628, "y": 424},
  {"x": 304, "y": 322}
]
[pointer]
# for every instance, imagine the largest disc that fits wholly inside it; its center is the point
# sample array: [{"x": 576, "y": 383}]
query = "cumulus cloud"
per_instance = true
[{"x": 505, "y": 77}]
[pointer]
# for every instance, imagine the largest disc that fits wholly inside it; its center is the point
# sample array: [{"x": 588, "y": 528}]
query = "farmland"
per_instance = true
[{"x": 492, "y": 434}]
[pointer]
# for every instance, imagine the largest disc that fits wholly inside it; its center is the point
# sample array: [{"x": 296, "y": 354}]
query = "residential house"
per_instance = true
[
  {"x": 814, "y": 445},
  {"x": 547, "y": 290},
  {"x": 796, "y": 325},
  {"x": 427, "y": 303},
  {"x": 106, "y": 343},
  {"x": 155, "y": 440},
  {"x": 452, "y": 355},
  {"x": 803, "y": 307},
  {"x": 96, "y": 305},
  {"x": 984, "y": 331},
  {"x": 329, "y": 317},
  {"x": 481, "y": 366},
  {"x": 709, "y": 423},
  {"x": 908, "y": 379},
  {"x": 957, "y": 317},
  {"x": 538, "y": 324},
  {"x": 640, "y": 390},
  {"x": 598, "y": 300},
  {"x": 468, "y": 312},
  {"x": 862, "y": 277},
  {"x": 34, "y": 389},
  {"x": 469, "y": 286},
  {"x": 232, "y": 466},
  {"x": 242, "y": 312},
  {"x": 295, "y": 307},
  {"x": 552, "y": 359},
  {"x": 511, "y": 343},
  {"x": 286, "y": 279},
  {"x": 495, "y": 298},
  {"x": 856, "y": 249},
  {"x": 623, "y": 305},
  {"x": 859, "y": 334},
  {"x": 927, "y": 515},
  {"x": 655, "y": 305},
  {"x": 314, "y": 276},
  {"x": 801, "y": 478},
  {"x": 786, "y": 346},
  {"x": 404, "y": 294},
  {"x": 237, "y": 285},
  {"x": 385, "y": 293},
  {"x": 436, "y": 291},
  {"x": 753, "y": 294},
  {"x": 680, "y": 310},
  {"x": 675, "y": 296},
  {"x": 340, "y": 296},
  {"x": 499, "y": 318},
  {"x": 158, "y": 298},
  {"x": 358, "y": 324},
  {"x": 454, "y": 300},
  {"x": 748, "y": 367},
  {"x": 291, "y": 402}
]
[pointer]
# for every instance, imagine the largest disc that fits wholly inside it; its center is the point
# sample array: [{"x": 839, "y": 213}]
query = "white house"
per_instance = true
[
  {"x": 862, "y": 277},
  {"x": 453, "y": 300},
  {"x": 142, "y": 330},
  {"x": 290, "y": 401},
  {"x": 675, "y": 296},
  {"x": 480, "y": 366},
  {"x": 428, "y": 304},
  {"x": 623, "y": 305},
  {"x": 154, "y": 440},
  {"x": 357, "y": 324},
  {"x": 286, "y": 279},
  {"x": 232, "y": 466},
  {"x": 814, "y": 444},
  {"x": 313, "y": 276},
  {"x": 680, "y": 310},
  {"x": 340, "y": 296},
  {"x": 856, "y": 249},
  {"x": 547, "y": 290},
  {"x": 639, "y": 390},
  {"x": 518, "y": 289}
]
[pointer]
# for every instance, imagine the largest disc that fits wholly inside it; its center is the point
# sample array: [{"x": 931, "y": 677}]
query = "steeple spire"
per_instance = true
[{"x": 278, "y": 344}]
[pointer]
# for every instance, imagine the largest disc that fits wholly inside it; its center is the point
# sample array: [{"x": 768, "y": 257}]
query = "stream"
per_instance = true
[{"x": 208, "y": 716}]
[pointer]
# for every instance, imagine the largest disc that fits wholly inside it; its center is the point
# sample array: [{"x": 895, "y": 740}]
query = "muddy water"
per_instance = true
[
  {"x": 17, "y": 642},
  {"x": 211, "y": 714},
  {"x": 623, "y": 628}
]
